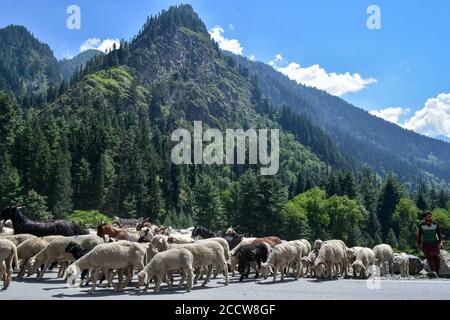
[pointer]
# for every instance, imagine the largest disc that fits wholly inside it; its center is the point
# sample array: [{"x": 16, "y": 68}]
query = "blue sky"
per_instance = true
[{"x": 400, "y": 72}]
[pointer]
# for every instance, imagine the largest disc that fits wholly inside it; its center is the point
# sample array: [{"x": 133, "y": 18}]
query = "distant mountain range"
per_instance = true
[
  {"x": 371, "y": 140},
  {"x": 68, "y": 66},
  {"x": 443, "y": 138},
  {"x": 173, "y": 70}
]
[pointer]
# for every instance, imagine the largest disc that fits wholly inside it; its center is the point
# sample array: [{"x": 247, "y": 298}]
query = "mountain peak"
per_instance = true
[
  {"x": 182, "y": 16},
  {"x": 32, "y": 70}
]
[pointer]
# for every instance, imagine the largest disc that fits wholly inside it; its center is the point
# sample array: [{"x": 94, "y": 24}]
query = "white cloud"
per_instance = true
[
  {"x": 252, "y": 57},
  {"x": 434, "y": 118},
  {"x": 275, "y": 62},
  {"x": 231, "y": 45},
  {"x": 96, "y": 43},
  {"x": 390, "y": 114},
  {"x": 316, "y": 76},
  {"x": 231, "y": 27}
]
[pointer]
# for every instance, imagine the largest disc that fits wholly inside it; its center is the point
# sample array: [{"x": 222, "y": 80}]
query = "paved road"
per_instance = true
[{"x": 303, "y": 289}]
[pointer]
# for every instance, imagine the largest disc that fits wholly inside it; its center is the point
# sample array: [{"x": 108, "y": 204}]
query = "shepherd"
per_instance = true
[{"x": 430, "y": 241}]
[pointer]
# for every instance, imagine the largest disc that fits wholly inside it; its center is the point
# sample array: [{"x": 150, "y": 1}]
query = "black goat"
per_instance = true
[
  {"x": 203, "y": 233},
  {"x": 78, "y": 252},
  {"x": 249, "y": 254},
  {"x": 23, "y": 225}
]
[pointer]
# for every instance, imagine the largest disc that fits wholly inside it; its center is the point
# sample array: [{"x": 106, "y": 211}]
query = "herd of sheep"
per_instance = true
[{"x": 157, "y": 254}]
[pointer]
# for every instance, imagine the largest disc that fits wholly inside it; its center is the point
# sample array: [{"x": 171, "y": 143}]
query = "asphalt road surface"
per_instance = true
[{"x": 304, "y": 289}]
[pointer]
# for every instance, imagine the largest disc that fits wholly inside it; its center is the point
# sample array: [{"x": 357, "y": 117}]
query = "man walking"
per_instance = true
[{"x": 429, "y": 239}]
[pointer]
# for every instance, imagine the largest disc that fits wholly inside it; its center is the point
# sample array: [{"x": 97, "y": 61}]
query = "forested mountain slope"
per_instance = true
[
  {"x": 370, "y": 140},
  {"x": 27, "y": 66}
]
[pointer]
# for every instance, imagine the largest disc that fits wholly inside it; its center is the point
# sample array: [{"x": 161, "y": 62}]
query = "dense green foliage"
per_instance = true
[
  {"x": 88, "y": 219},
  {"x": 27, "y": 66}
]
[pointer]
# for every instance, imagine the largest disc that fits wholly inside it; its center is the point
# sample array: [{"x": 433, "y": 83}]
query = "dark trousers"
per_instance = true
[{"x": 433, "y": 254}]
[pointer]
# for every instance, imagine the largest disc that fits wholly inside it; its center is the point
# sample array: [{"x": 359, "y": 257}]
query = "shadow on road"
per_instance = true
[{"x": 270, "y": 282}]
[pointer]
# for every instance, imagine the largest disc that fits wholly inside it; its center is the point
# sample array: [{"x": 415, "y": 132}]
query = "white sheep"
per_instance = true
[
  {"x": 206, "y": 254},
  {"x": 317, "y": 245},
  {"x": 28, "y": 249},
  {"x": 331, "y": 254},
  {"x": 168, "y": 261},
  {"x": 308, "y": 247},
  {"x": 18, "y": 238},
  {"x": 281, "y": 257},
  {"x": 384, "y": 258},
  {"x": 402, "y": 260},
  {"x": 365, "y": 259},
  {"x": 351, "y": 255},
  {"x": 180, "y": 239},
  {"x": 226, "y": 250},
  {"x": 55, "y": 251},
  {"x": 5, "y": 230},
  {"x": 8, "y": 257},
  {"x": 308, "y": 263},
  {"x": 342, "y": 243},
  {"x": 109, "y": 256},
  {"x": 304, "y": 247}
]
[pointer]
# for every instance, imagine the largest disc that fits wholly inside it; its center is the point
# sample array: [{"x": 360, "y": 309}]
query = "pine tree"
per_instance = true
[
  {"x": 421, "y": 202},
  {"x": 391, "y": 239},
  {"x": 333, "y": 187},
  {"x": 36, "y": 207},
  {"x": 355, "y": 237},
  {"x": 248, "y": 203},
  {"x": 9, "y": 181},
  {"x": 443, "y": 199},
  {"x": 388, "y": 200},
  {"x": 210, "y": 208},
  {"x": 300, "y": 184},
  {"x": 368, "y": 189},
  {"x": 272, "y": 198},
  {"x": 60, "y": 201},
  {"x": 373, "y": 227}
]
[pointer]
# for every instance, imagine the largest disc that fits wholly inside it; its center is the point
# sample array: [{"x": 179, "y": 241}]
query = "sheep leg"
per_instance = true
[
  {"x": 147, "y": 284},
  {"x": 183, "y": 278},
  {"x": 94, "y": 280},
  {"x": 275, "y": 269},
  {"x": 59, "y": 275},
  {"x": 158, "y": 282},
  {"x": 130, "y": 273},
  {"x": 208, "y": 277},
  {"x": 2, "y": 274},
  {"x": 216, "y": 273},
  {"x": 329, "y": 268},
  {"x": 63, "y": 268},
  {"x": 22, "y": 270},
  {"x": 170, "y": 279},
  {"x": 190, "y": 276},
  {"x": 41, "y": 274},
  {"x": 8, "y": 272},
  {"x": 109, "y": 275},
  {"x": 197, "y": 275},
  {"x": 225, "y": 271}
]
